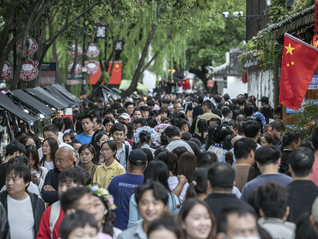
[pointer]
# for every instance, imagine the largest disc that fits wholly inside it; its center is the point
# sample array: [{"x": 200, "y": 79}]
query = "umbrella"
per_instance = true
[{"x": 126, "y": 83}]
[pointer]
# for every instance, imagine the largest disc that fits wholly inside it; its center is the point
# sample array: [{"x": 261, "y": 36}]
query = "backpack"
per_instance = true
[{"x": 55, "y": 213}]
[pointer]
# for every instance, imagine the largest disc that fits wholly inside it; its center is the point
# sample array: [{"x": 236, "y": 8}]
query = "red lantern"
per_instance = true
[
  {"x": 244, "y": 78},
  {"x": 210, "y": 83}
]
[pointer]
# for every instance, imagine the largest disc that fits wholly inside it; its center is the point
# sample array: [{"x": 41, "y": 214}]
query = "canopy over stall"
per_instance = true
[
  {"x": 106, "y": 93},
  {"x": 67, "y": 94},
  {"x": 46, "y": 98},
  {"x": 58, "y": 95},
  {"x": 27, "y": 100}
]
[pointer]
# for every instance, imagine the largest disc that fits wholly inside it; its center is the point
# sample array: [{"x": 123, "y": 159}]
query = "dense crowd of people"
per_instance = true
[{"x": 176, "y": 166}]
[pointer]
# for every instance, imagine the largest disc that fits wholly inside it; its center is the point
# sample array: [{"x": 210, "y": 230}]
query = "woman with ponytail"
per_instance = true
[
  {"x": 199, "y": 184},
  {"x": 145, "y": 140}
]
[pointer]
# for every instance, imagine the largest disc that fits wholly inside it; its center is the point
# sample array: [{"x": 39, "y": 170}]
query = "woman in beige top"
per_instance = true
[{"x": 87, "y": 158}]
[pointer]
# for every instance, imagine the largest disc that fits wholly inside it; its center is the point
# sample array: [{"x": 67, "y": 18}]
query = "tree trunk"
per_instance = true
[
  {"x": 137, "y": 74},
  {"x": 55, "y": 58}
]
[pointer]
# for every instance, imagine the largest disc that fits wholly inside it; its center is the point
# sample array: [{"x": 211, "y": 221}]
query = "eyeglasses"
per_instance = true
[{"x": 103, "y": 151}]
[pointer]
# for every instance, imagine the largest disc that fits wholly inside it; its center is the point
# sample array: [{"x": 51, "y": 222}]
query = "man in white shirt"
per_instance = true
[
  {"x": 24, "y": 209},
  {"x": 51, "y": 131}
]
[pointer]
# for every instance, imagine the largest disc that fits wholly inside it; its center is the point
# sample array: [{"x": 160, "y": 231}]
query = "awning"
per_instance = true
[
  {"x": 126, "y": 83},
  {"x": 7, "y": 104},
  {"x": 102, "y": 91},
  {"x": 25, "y": 99},
  {"x": 67, "y": 94},
  {"x": 58, "y": 95},
  {"x": 46, "y": 97}
]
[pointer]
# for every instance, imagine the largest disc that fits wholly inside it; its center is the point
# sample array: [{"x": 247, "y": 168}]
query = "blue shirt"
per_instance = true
[
  {"x": 83, "y": 138},
  {"x": 280, "y": 178},
  {"x": 122, "y": 187}
]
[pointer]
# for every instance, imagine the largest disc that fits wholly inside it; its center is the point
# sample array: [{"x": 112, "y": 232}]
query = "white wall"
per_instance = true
[
  {"x": 260, "y": 83},
  {"x": 149, "y": 80},
  {"x": 235, "y": 86}
]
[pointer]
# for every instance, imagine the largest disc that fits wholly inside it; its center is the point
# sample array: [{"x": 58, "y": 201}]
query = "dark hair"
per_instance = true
[
  {"x": 78, "y": 219},
  {"x": 117, "y": 127},
  {"x": 278, "y": 125},
  {"x": 116, "y": 105},
  {"x": 199, "y": 183},
  {"x": 87, "y": 117},
  {"x": 107, "y": 120},
  {"x": 71, "y": 175},
  {"x": 68, "y": 124},
  {"x": 20, "y": 170},
  {"x": 186, "y": 136},
  {"x": 209, "y": 141},
  {"x": 241, "y": 101},
  {"x": 202, "y": 127},
  {"x": 157, "y": 171},
  {"x": 248, "y": 109},
  {"x": 206, "y": 159},
  {"x": 243, "y": 147},
  {"x": 268, "y": 138},
  {"x": 69, "y": 135},
  {"x": 144, "y": 108},
  {"x": 164, "y": 110},
  {"x": 230, "y": 210},
  {"x": 208, "y": 104},
  {"x": 151, "y": 122},
  {"x": 170, "y": 159},
  {"x": 59, "y": 122},
  {"x": 128, "y": 103},
  {"x": 187, "y": 206},
  {"x": 70, "y": 199},
  {"x": 221, "y": 176},
  {"x": 227, "y": 145},
  {"x": 164, "y": 223},
  {"x": 149, "y": 155},
  {"x": 19, "y": 135},
  {"x": 25, "y": 139},
  {"x": 50, "y": 127},
  {"x": 267, "y": 112},
  {"x": 144, "y": 137},
  {"x": 32, "y": 151},
  {"x": 53, "y": 148},
  {"x": 172, "y": 131},
  {"x": 140, "y": 121},
  {"x": 160, "y": 150},
  {"x": 272, "y": 198},
  {"x": 179, "y": 151},
  {"x": 13, "y": 147},
  {"x": 301, "y": 161},
  {"x": 226, "y": 111},
  {"x": 90, "y": 147},
  {"x": 251, "y": 128},
  {"x": 267, "y": 155},
  {"x": 220, "y": 133},
  {"x": 158, "y": 190},
  {"x": 187, "y": 164},
  {"x": 109, "y": 111},
  {"x": 111, "y": 144},
  {"x": 304, "y": 228},
  {"x": 290, "y": 138},
  {"x": 314, "y": 138}
]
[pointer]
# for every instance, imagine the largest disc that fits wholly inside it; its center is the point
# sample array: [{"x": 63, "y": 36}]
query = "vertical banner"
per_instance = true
[{"x": 116, "y": 74}]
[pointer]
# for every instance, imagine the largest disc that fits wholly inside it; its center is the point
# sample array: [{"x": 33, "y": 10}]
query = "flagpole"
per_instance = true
[{"x": 300, "y": 41}]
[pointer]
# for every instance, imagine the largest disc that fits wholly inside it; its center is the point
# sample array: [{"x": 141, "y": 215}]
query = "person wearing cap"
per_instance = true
[
  {"x": 123, "y": 186},
  {"x": 124, "y": 118}
]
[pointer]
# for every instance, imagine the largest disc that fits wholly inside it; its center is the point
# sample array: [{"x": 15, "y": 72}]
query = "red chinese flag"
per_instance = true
[
  {"x": 186, "y": 84},
  {"x": 115, "y": 79},
  {"x": 299, "y": 64}
]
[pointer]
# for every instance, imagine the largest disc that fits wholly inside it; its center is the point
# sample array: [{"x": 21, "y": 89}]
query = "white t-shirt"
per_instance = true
[
  {"x": 173, "y": 183},
  {"x": 20, "y": 217},
  {"x": 48, "y": 165}
]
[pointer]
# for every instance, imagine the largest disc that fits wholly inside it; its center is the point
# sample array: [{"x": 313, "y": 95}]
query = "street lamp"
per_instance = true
[
  {"x": 101, "y": 33},
  {"x": 84, "y": 71}
]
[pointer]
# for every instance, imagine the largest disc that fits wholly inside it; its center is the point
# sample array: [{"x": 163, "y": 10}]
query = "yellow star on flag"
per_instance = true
[
  {"x": 117, "y": 65},
  {"x": 293, "y": 63},
  {"x": 289, "y": 49},
  {"x": 287, "y": 64}
]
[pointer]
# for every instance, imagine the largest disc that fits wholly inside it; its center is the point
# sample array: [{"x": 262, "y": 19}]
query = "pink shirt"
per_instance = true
[{"x": 314, "y": 176}]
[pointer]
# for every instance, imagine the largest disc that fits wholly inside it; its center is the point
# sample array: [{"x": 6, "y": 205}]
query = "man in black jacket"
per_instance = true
[
  {"x": 4, "y": 226},
  {"x": 221, "y": 177},
  {"x": 64, "y": 159},
  {"x": 24, "y": 209}
]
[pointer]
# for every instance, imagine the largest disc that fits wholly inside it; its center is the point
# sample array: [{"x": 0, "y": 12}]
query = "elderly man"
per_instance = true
[{"x": 64, "y": 158}]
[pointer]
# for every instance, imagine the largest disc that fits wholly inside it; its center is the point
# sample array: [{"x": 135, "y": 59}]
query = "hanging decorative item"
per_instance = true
[
  {"x": 210, "y": 83},
  {"x": 33, "y": 46},
  {"x": 7, "y": 71},
  {"x": 29, "y": 70},
  {"x": 72, "y": 51},
  {"x": 92, "y": 67},
  {"x": 92, "y": 51},
  {"x": 78, "y": 67},
  {"x": 244, "y": 78}
]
